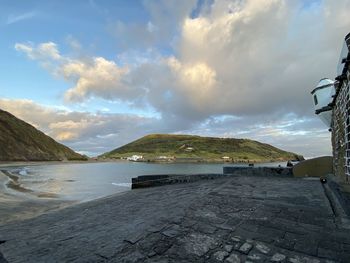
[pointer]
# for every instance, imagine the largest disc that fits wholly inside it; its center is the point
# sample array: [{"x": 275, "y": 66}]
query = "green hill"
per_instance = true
[
  {"x": 20, "y": 141},
  {"x": 207, "y": 148}
]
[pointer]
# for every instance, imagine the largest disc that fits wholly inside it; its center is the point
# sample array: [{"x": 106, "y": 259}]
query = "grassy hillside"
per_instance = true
[
  {"x": 209, "y": 148},
  {"x": 19, "y": 141}
]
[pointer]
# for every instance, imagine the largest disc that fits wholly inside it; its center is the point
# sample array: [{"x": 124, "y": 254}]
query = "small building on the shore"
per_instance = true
[
  {"x": 332, "y": 105},
  {"x": 226, "y": 158},
  {"x": 135, "y": 158},
  {"x": 189, "y": 149}
]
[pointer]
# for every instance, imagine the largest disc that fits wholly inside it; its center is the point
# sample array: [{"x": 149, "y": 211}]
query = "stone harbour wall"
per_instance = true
[{"x": 144, "y": 181}]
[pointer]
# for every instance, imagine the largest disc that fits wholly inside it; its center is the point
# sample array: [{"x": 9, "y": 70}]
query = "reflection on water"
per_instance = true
[{"x": 87, "y": 181}]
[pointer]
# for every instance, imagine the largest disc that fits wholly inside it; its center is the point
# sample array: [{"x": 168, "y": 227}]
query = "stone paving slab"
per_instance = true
[{"x": 238, "y": 219}]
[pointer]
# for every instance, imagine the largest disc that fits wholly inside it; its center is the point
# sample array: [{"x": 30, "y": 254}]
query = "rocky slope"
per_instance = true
[{"x": 20, "y": 141}]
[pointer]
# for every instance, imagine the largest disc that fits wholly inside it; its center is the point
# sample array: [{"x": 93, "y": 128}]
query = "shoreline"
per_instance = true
[
  {"x": 34, "y": 163},
  {"x": 18, "y": 203},
  {"x": 112, "y": 160},
  {"x": 14, "y": 184},
  {"x": 196, "y": 161}
]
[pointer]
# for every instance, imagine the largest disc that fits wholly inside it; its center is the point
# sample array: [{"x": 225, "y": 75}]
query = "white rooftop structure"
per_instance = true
[
  {"x": 322, "y": 97},
  {"x": 135, "y": 158}
]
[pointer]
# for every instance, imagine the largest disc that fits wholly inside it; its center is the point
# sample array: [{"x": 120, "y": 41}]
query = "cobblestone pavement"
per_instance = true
[{"x": 239, "y": 219}]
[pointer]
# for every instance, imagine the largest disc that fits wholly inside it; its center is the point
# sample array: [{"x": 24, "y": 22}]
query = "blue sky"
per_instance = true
[
  {"x": 59, "y": 22},
  {"x": 96, "y": 74}
]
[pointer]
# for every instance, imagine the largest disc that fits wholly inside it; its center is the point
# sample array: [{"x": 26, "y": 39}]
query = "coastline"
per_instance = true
[
  {"x": 18, "y": 203},
  {"x": 13, "y": 182},
  {"x": 4, "y": 164},
  {"x": 34, "y": 163},
  {"x": 198, "y": 160}
]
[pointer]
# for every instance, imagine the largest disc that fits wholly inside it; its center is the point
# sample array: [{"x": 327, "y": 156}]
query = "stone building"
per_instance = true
[{"x": 332, "y": 104}]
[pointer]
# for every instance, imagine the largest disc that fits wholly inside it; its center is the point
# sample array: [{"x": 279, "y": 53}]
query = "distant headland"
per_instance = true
[{"x": 190, "y": 148}]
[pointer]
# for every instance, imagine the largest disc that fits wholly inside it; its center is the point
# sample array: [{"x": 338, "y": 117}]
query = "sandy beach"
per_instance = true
[{"x": 18, "y": 203}]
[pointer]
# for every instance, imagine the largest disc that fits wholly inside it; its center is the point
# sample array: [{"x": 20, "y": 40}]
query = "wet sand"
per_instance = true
[{"x": 18, "y": 203}]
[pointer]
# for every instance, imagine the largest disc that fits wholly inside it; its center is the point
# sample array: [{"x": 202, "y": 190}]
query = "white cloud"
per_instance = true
[
  {"x": 166, "y": 18},
  {"x": 92, "y": 77},
  {"x": 195, "y": 81},
  {"x": 259, "y": 57},
  {"x": 43, "y": 52},
  {"x": 252, "y": 59},
  {"x": 11, "y": 19},
  {"x": 235, "y": 58},
  {"x": 101, "y": 78}
]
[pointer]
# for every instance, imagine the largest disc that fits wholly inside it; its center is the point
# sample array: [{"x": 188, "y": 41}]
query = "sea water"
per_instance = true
[{"x": 88, "y": 181}]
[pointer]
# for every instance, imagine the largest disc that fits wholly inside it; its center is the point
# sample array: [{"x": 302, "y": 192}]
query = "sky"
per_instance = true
[{"x": 95, "y": 75}]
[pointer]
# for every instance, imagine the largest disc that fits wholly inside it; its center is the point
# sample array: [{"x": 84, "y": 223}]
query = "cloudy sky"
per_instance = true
[{"x": 95, "y": 75}]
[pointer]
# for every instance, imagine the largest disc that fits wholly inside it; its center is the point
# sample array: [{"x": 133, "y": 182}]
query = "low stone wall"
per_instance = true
[
  {"x": 164, "y": 179},
  {"x": 258, "y": 171},
  {"x": 144, "y": 181}
]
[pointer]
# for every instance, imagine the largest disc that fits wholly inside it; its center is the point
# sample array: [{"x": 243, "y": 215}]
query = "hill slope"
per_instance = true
[
  {"x": 209, "y": 148},
  {"x": 20, "y": 141}
]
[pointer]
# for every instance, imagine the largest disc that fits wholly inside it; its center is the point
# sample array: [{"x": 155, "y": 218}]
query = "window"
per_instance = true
[{"x": 315, "y": 99}]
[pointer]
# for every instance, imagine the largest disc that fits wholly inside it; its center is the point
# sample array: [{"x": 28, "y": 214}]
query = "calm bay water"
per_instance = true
[{"x": 87, "y": 181}]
